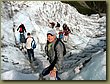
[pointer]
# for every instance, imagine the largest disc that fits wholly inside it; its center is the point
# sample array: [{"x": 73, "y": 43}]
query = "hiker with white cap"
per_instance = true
[{"x": 54, "y": 50}]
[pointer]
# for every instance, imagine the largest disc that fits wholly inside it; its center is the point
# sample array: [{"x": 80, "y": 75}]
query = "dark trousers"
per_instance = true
[
  {"x": 57, "y": 77},
  {"x": 30, "y": 54},
  {"x": 22, "y": 38}
]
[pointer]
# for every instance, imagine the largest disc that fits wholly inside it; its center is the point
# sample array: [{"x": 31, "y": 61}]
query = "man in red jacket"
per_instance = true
[{"x": 22, "y": 29}]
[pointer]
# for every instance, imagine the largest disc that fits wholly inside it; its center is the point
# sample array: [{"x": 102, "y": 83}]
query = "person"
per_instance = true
[
  {"x": 64, "y": 26},
  {"x": 51, "y": 24},
  {"x": 29, "y": 48},
  {"x": 66, "y": 32},
  {"x": 57, "y": 26},
  {"x": 22, "y": 29},
  {"x": 55, "y": 55}
]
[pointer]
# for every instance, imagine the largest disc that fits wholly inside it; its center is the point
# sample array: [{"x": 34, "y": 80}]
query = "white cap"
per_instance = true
[{"x": 52, "y": 32}]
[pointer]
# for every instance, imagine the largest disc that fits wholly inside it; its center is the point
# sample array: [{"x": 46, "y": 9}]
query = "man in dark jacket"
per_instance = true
[
  {"x": 55, "y": 55},
  {"x": 22, "y": 29},
  {"x": 51, "y": 24}
]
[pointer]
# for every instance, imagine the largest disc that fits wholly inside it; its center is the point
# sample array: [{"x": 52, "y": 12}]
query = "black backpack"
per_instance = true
[{"x": 59, "y": 40}]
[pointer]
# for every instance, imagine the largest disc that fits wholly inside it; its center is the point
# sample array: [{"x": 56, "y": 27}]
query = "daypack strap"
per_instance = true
[
  {"x": 56, "y": 43},
  {"x": 64, "y": 48}
]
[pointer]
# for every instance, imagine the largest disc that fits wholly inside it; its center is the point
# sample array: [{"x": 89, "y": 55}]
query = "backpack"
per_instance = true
[
  {"x": 20, "y": 29},
  {"x": 33, "y": 44},
  {"x": 58, "y": 40},
  {"x": 60, "y": 35}
]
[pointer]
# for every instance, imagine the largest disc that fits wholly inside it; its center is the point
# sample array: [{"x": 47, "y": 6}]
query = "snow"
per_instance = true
[
  {"x": 87, "y": 40},
  {"x": 98, "y": 67},
  {"x": 14, "y": 75},
  {"x": 7, "y": 32}
]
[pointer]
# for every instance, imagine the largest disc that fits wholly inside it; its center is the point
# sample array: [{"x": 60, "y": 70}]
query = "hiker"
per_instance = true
[
  {"x": 57, "y": 26},
  {"x": 64, "y": 26},
  {"x": 66, "y": 32},
  {"x": 30, "y": 49},
  {"x": 51, "y": 24},
  {"x": 54, "y": 50},
  {"x": 22, "y": 29}
]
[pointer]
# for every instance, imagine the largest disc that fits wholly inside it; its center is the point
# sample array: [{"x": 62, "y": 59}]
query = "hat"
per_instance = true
[{"x": 51, "y": 32}]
